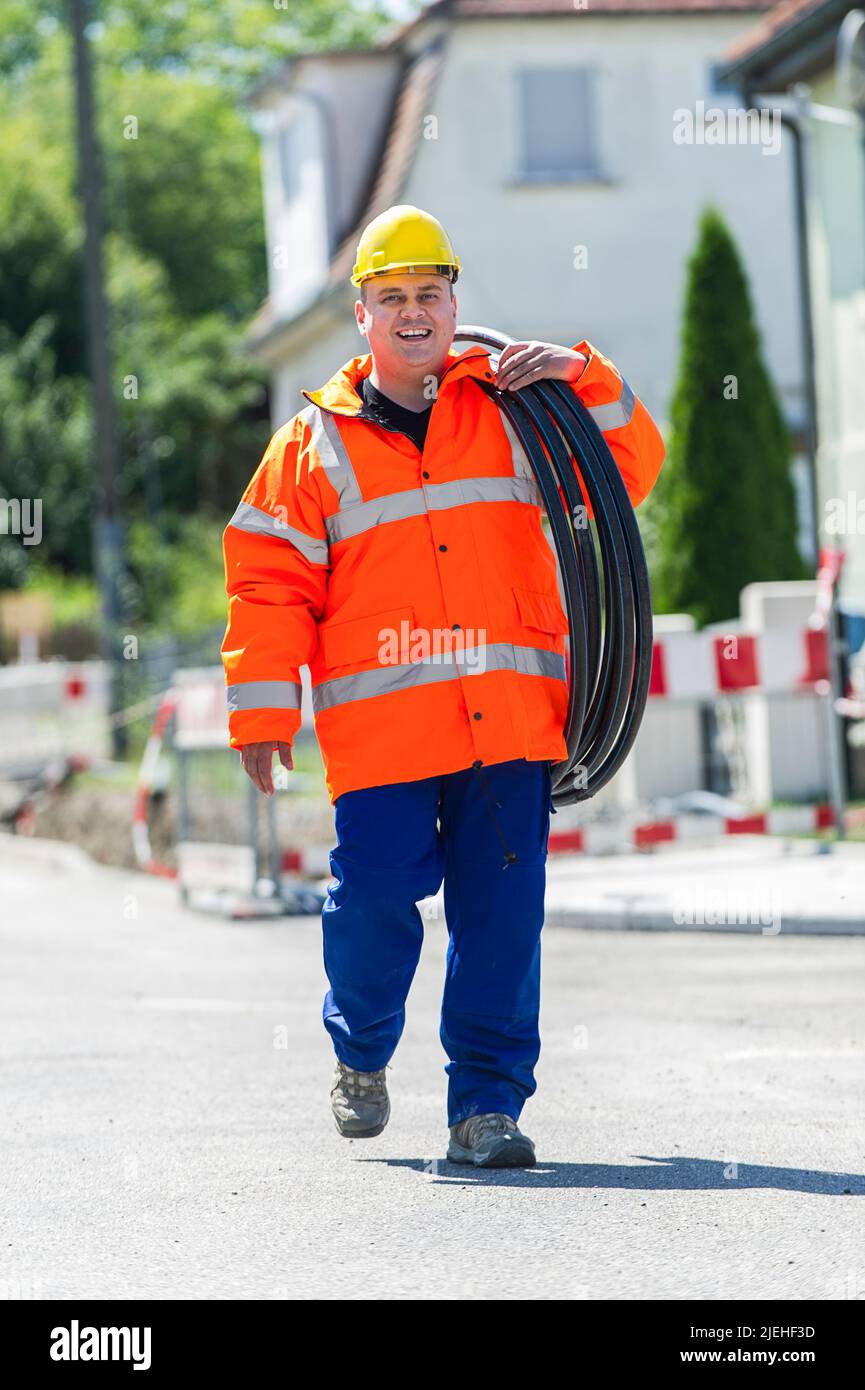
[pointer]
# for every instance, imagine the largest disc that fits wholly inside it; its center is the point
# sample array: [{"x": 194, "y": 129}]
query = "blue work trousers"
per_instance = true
[{"x": 395, "y": 846}]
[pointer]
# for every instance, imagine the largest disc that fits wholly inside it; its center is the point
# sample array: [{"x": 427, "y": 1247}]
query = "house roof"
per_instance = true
[
  {"x": 523, "y": 9},
  {"x": 788, "y": 29}
]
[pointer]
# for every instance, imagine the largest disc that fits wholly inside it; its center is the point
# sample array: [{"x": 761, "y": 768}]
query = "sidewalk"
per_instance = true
[{"x": 757, "y": 884}]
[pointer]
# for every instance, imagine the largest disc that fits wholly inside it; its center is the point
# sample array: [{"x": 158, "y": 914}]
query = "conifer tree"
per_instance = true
[{"x": 725, "y": 504}]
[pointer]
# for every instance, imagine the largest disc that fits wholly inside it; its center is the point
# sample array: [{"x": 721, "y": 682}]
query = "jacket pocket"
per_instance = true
[
  {"x": 362, "y": 639},
  {"x": 541, "y": 611}
]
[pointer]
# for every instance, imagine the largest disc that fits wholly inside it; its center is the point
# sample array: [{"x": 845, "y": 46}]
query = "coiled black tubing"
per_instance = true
[{"x": 602, "y": 565}]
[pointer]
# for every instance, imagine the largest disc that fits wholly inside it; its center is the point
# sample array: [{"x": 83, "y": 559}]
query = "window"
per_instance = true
[
  {"x": 288, "y": 148},
  {"x": 556, "y": 113}
]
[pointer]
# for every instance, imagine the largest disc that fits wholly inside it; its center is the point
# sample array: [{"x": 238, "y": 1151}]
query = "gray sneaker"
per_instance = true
[
  {"x": 490, "y": 1141},
  {"x": 359, "y": 1101}
]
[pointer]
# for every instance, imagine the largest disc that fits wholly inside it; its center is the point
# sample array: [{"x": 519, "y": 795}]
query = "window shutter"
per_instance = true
[{"x": 557, "y": 122}]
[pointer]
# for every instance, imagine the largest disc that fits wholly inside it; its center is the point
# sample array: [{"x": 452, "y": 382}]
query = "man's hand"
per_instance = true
[
  {"x": 521, "y": 364},
  {"x": 257, "y": 760}
]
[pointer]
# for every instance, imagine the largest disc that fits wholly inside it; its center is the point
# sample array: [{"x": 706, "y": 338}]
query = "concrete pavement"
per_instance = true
[{"x": 167, "y": 1131}]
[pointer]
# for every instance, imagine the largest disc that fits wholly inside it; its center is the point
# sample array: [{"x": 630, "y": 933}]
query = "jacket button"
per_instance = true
[
  {"x": 426, "y": 475},
  {"x": 478, "y": 763},
  {"x": 442, "y": 547},
  {"x": 456, "y": 627},
  {"x": 478, "y": 716}
]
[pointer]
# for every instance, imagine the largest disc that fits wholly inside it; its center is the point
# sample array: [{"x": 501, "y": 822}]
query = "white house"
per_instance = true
[{"x": 546, "y": 136}]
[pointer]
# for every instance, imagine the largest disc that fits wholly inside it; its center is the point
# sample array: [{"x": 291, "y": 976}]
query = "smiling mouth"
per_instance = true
[{"x": 414, "y": 335}]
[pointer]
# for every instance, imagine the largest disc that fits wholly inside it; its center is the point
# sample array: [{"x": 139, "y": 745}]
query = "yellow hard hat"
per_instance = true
[{"x": 404, "y": 238}]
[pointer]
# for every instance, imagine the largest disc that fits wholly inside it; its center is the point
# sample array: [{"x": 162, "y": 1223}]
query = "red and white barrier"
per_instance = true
[
  {"x": 601, "y": 837},
  {"x": 702, "y": 666},
  {"x": 604, "y": 837},
  {"x": 313, "y": 861}
]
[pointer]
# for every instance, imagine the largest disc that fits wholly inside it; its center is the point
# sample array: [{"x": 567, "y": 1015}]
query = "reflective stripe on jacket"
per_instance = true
[{"x": 420, "y": 589}]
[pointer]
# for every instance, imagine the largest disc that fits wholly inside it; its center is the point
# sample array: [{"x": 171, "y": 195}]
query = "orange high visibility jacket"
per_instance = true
[{"x": 419, "y": 588}]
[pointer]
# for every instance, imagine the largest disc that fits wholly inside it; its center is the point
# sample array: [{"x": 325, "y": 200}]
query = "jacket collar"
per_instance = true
[{"x": 339, "y": 395}]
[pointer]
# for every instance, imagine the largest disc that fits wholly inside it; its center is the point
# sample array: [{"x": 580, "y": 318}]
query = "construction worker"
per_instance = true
[{"x": 391, "y": 540}]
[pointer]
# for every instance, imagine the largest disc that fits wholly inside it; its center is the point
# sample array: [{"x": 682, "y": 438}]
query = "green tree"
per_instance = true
[
  {"x": 186, "y": 269},
  {"x": 187, "y": 189},
  {"x": 230, "y": 41},
  {"x": 44, "y": 455},
  {"x": 724, "y": 507},
  {"x": 40, "y": 241}
]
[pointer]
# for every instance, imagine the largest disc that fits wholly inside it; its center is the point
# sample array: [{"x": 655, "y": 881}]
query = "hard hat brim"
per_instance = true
[{"x": 408, "y": 268}]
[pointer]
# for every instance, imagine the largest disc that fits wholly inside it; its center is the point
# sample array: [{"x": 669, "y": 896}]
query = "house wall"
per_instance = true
[
  {"x": 296, "y": 230},
  {"x": 324, "y": 355},
  {"x": 836, "y": 215},
  {"x": 339, "y": 112},
  {"x": 358, "y": 93}
]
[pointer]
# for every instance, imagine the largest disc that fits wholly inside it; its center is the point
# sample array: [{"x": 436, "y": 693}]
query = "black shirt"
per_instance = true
[{"x": 414, "y": 423}]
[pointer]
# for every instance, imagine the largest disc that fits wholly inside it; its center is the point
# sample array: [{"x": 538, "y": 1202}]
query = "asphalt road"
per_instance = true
[{"x": 167, "y": 1132}]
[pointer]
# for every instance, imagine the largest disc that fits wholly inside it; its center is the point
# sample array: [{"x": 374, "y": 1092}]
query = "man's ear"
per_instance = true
[{"x": 360, "y": 316}]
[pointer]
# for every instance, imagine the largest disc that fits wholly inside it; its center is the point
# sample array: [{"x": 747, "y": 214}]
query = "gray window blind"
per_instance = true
[{"x": 556, "y": 112}]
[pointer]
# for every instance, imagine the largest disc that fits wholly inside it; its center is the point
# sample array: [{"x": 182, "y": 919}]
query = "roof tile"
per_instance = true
[
  {"x": 780, "y": 17},
  {"x": 493, "y": 9}
]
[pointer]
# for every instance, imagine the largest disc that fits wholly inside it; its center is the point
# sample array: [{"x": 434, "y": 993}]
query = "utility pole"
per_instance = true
[
  {"x": 107, "y": 523},
  {"x": 828, "y": 619}
]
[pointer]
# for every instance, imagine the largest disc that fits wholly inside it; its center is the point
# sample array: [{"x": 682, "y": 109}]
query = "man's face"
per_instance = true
[{"x": 409, "y": 322}]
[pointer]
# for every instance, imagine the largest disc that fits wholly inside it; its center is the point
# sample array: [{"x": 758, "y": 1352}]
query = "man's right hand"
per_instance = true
[{"x": 257, "y": 761}]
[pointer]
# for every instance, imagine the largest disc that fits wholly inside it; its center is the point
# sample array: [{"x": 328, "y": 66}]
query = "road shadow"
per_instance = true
[{"x": 675, "y": 1174}]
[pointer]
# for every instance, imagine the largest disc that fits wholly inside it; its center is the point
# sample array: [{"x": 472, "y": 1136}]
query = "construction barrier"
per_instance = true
[
  {"x": 238, "y": 874},
  {"x": 702, "y": 666},
  {"x": 52, "y": 709},
  {"x": 689, "y": 665},
  {"x": 605, "y": 837}
]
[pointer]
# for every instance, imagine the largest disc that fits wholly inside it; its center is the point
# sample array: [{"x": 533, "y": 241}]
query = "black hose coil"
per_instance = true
[{"x": 609, "y": 606}]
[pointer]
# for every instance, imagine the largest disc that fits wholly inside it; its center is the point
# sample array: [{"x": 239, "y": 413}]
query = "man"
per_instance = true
[{"x": 391, "y": 539}]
